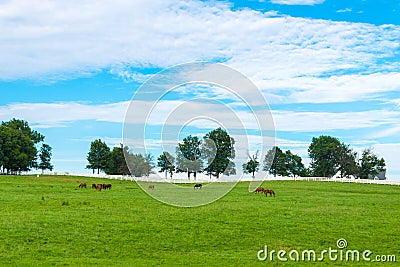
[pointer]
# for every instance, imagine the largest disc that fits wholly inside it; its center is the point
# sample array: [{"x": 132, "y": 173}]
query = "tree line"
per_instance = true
[
  {"x": 19, "y": 150},
  {"x": 213, "y": 154},
  {"x": 328, "y": 157}
]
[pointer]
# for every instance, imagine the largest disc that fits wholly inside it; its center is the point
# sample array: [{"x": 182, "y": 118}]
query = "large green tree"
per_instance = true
[
  {"x": 219, "y": 153},
  {"x": 117, "y": 164},
  {"x": 293, "y": 164},
  {"x": 346, "y": 161},
  {"x": 139, "y": 164},
  {"x": 278, "y": 162},
  {"x": 274, "y": 162},
  {"x": 188, "y": 156},
  {"x": 18, "y": 146},
  {"x": 370, "y": 165},
  {"x": 98, "y": 156},
  {"x": 45, "y": 158},
  {"x": 166, "y": 163},
  {"x": 323, "y": 154}
]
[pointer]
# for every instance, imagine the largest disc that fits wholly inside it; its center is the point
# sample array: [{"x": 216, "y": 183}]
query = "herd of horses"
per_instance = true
[
  {"x": 265, "y": 191},
  {"x": 98, "y": 187}
]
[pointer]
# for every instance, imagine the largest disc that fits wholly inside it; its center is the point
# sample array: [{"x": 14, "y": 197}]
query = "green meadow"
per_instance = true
[{"x": 49, "y": 221}]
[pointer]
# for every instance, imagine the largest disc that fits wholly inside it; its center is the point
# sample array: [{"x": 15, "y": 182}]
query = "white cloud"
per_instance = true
[
  {"x": 179, "y": 112},
  {"x": 344, "y": 10},
  {"x": 298, "y": 2},
  {"x": 328, "y": 121},
  {"x": 40, "y": 38},
  {"x": 344, "y": 88},
  {"x": 47, "y": 115}
]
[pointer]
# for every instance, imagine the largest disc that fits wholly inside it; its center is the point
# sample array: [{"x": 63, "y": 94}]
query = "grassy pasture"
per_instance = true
[{"x": 48, "y": 221}]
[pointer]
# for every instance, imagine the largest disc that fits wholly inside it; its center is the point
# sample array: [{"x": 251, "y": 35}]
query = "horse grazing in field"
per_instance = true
[
  {"x": 269, "y": 191},
  {"x": 106, "y": 186},
  {"x": 259, "y": 190},
  {"x": 99, "y": 187},
  {"x": 151, "y": 187},
  {"x": 82, "y": 185},
  {"x": 198, "y": 186},
  {"x": 94, "y": 186}
]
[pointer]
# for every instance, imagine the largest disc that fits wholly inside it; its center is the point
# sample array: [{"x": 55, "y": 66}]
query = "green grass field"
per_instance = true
[{"x": 48, "y": 221}]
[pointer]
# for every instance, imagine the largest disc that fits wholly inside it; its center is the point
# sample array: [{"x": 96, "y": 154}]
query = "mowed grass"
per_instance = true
[{"x": 48, "y": 221}]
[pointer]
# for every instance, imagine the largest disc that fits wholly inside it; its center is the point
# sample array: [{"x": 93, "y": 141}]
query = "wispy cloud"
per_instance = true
[
  {"x": 170, "y": 113},
  {"x": 298, "y": 2},
  {"x": 345, "y": 10},
  {"x": 50, "y": 115},
  {"x": 332, "y": 89}
]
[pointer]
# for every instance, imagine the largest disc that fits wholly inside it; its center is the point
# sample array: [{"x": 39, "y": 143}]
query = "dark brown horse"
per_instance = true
[
  {"x": 198, "y": 186},
  {"x": 94, "y": 186},
  {"x": 269, "y": 191},
  {"x": 259, "y": 190},
  {"x": 82, "y": 185},
  {"x": 106, "y": 186},
  {"x": 151, "y": 187}
]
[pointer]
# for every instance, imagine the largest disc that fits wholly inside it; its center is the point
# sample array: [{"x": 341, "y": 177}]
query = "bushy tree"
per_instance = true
[
  {"x": 117, "y": 164},
  {"x": 294, "y": 165},
  {"x": 45, "y": 158},
  {"x": 274, "y": 162},
  {"x": 346, "y": 161},
  {"x": 252, "y": 165},
  {"x": 219, "y": 152},
  {"x": 323, "y": 154},
  {"x": 166, "y": 163},
  {"x": 188, "y": 156},
  {"x": 139, "y": 164},
  {"x": 370, "y": 165},
  {"x": 18, "y": 146},
  {"x": 98, "y": 156},
  {"x": 281, "y": 163}
]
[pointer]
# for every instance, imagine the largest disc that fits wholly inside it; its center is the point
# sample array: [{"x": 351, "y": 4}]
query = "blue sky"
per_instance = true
[{"x": 331, "y": 67}]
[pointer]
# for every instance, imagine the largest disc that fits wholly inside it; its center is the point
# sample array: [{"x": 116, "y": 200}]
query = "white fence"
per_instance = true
[{"x": 203, "y": 178}]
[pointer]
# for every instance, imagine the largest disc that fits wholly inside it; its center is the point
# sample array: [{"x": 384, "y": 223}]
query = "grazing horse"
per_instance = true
[
  {"x": 259, "y": 190},
  {"x": 269, "y": 191},
  {"x": 107, "y": 186},
  {"x": 83, "y": 185},
  {"x": 198, "y": 186},
  {"x": 151, "y": 187},
  {"x": 99, "y": 187},
  {"x": 94, "y": 186}
]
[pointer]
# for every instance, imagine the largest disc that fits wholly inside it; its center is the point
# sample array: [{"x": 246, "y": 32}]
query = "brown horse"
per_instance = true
[
  {"x": 94, "y": 186},
  {"x": 82, "y": 185},
  {"x": 151, "y": 187},
  {"x": 106, "y": 186},
  {"x": 259, "y": 190},
  {"x": 269, "y": 191},
  {"x": 99, "y": 187}
]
